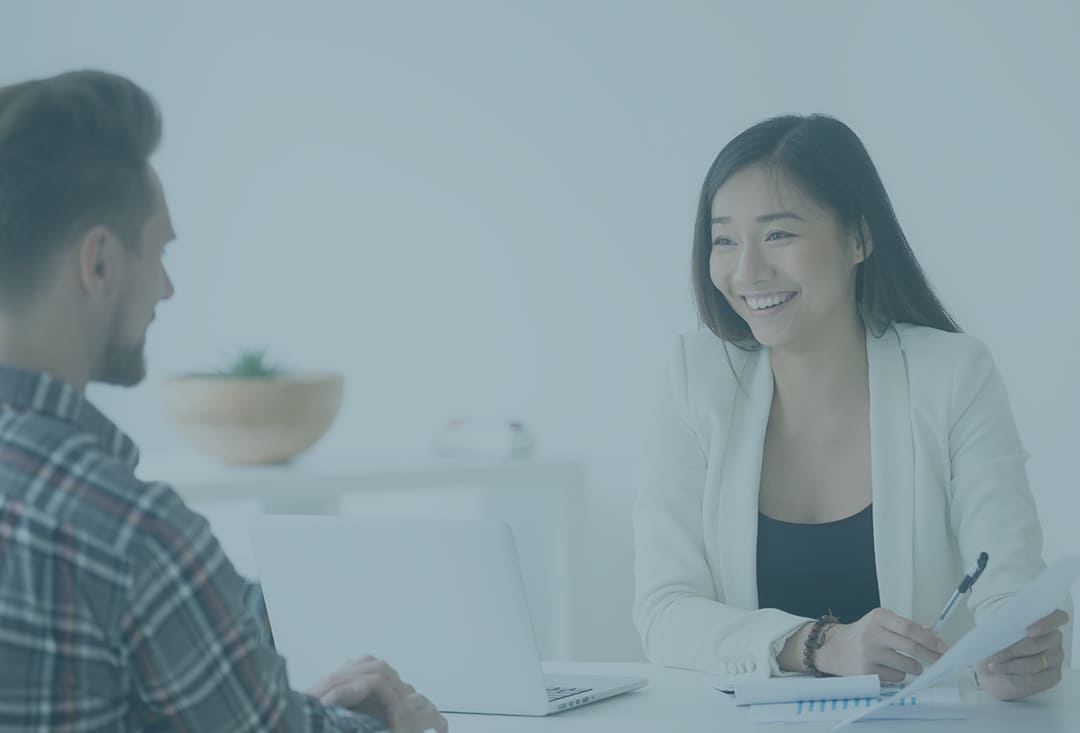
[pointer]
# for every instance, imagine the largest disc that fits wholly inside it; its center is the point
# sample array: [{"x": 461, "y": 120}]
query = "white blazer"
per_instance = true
[{"x": 948, "y": 482}]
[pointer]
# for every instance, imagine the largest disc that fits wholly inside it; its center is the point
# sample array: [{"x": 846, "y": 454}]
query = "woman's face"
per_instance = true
[{"x": 782, "y": 262}]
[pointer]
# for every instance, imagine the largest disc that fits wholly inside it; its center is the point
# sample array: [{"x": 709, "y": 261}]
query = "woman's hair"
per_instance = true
[
  {"x": 828, "y": 162},
  {"x": 74, "y": 153}
]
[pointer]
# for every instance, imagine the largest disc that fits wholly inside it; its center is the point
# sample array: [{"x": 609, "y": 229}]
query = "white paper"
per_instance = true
[
  {"x": 766, "y": 690},
  {"x": 1004, "y": 628},
  {"x": 938, "y": 703}
]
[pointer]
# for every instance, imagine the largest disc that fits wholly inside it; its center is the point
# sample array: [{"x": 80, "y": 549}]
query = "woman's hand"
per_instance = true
[
  {"x": 880, "y": 643},
  {"x": 1031, "y": 665}
]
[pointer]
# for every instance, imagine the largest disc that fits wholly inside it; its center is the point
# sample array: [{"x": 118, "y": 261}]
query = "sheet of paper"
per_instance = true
[
  {"x": 1005, "y": 627},
  {"x": 765, "y": 690},
  {"x": 938, "y": 703}
]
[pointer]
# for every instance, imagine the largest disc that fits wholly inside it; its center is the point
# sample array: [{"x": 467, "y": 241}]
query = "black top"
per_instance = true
[{"x": 812, "y": 569}]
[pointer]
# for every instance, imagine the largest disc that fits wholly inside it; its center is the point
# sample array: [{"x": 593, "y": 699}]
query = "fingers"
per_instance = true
[
  {"x": 1045, "y": 625},
  {"x": 911, "y": 648},
  {"x": 929, "y": 645},
  {"x": 374, "y": 686},
  {"x": 352, "y": 693},
  {"x": 422, "y": 714},
  {"x": 1035, "y": 664},
  {"x": 1046, "y": 679},
  {"x": 893, "y": 660},
  {"x": 1030, "y": 665},
  {"x": 887, "y": 674},
  {"x": 365, "y": 681},
  {"x": 1016, "y": 687},
  {"x": 347, "y": 671},
  {"x": 1029, "y": 647}
]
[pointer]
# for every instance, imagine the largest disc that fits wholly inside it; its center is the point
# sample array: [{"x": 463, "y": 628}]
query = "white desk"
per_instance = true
[
  {"x": 535, "y": 497},
  {"x": 677, "y": 701}
]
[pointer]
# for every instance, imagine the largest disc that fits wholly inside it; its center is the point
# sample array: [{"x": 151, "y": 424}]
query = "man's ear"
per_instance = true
[
  {"x": 864, "y": 243},
  {"x": 99, "y": 261}
]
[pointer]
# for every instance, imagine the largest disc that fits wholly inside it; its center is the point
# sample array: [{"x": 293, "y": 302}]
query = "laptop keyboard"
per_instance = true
[{"x": 558, "y": 693}]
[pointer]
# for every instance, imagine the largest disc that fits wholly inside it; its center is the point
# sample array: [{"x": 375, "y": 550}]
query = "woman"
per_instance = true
[{"x": 832, "y": 446}]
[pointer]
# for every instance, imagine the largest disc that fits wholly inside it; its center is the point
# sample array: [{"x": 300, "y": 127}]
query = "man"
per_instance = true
[{"x": 118, "y": 609}]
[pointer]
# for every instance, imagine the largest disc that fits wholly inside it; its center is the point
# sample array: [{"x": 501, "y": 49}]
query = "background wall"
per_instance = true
[{"x": 484, "y": 208}]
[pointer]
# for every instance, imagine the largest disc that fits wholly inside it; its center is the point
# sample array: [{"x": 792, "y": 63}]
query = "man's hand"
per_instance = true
[
  {"x": 1031, "y": 665},
  {"x": 880, "y": 643},
  {"x": 371, "y": 686}
]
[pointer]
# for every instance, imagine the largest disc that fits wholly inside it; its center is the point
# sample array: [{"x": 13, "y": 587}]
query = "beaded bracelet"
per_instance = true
[{"x": 815, "y": 640}]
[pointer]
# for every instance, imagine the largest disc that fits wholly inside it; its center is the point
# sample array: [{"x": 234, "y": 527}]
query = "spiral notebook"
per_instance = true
[
  {"x": 938, "y": 703},
  {"x": 757, "y": 690}
]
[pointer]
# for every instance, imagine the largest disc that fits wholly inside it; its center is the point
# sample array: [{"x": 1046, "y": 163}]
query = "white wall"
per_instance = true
[{"x": 485, "y": 207}]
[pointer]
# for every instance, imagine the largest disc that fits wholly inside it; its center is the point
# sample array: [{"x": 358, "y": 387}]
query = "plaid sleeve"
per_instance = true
[{"x": 196, "y": 658}]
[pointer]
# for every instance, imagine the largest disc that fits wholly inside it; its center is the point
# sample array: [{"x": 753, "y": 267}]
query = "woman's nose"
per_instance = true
[{"x": 753, "y": 266}]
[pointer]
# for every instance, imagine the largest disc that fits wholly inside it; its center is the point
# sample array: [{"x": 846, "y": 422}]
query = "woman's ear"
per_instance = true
[{"x": 864, "y": 243}]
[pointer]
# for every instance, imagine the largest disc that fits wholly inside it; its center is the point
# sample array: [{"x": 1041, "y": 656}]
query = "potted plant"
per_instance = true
[{"x": 253, "y": 412}]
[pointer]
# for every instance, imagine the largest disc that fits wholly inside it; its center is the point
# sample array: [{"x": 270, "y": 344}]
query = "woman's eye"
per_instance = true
[
  {"x": 773, "y": 236},
  {"x": 722, "y": 242}
]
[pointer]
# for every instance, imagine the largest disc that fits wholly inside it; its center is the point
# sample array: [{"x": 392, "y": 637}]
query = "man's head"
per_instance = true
[{"x": 83, "y": 220}]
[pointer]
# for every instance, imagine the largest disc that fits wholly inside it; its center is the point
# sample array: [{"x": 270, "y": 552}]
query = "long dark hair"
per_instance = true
[{"x": 830, "y": 164}]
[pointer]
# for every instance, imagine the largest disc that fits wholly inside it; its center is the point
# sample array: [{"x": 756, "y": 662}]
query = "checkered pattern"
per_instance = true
[{"x": 118, "y": 609}]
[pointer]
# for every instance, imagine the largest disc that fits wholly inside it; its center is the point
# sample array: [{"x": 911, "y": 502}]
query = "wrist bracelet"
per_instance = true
[{"x": 814, "y": 641}]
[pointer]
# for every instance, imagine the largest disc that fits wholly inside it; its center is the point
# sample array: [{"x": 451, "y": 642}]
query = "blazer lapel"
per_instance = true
[
  {"x": 741, "y": 479},
  {"x": 892, "y": 460}
]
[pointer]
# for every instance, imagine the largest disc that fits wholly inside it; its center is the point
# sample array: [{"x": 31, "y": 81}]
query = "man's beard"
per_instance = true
[{"x": 122, "y": 364}]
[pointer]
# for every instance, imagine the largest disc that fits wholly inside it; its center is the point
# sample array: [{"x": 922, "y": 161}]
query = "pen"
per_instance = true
[{"x": 964, "y": 587}]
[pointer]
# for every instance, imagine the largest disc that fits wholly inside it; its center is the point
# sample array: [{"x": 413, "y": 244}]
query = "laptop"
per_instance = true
[{"x": 441, "y": 600}]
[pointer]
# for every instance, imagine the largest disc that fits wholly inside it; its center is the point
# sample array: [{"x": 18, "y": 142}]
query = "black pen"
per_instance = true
[{"x": 964, "y": 587}]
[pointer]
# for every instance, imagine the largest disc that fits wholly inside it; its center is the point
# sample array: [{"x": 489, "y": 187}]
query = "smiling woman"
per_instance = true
[
  {"x": 810, "y": 177},
  {"x": 788, "y": 272},
  {"x": 814, "y": 494}
]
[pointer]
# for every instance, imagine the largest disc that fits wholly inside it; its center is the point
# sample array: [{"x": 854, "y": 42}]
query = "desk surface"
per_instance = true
[{"x": 678, "y": 701}]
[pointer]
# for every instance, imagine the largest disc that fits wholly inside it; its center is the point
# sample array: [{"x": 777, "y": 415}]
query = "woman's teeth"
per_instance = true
[{"x": 769, "y": 301}]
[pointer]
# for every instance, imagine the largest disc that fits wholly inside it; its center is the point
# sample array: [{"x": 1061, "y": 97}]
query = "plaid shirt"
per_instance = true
[{"x": 118, "y": 609}]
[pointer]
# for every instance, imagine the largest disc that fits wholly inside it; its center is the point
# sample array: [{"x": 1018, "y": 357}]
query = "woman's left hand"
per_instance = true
[{"x": 1031, "y": 665}]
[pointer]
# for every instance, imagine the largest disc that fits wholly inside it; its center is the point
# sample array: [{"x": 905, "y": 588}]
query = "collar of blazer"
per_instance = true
[{"x": 892, "y": 474}]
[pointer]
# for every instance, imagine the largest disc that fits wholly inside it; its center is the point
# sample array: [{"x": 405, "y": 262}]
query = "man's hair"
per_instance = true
[{"x": 74, "y": 153}]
